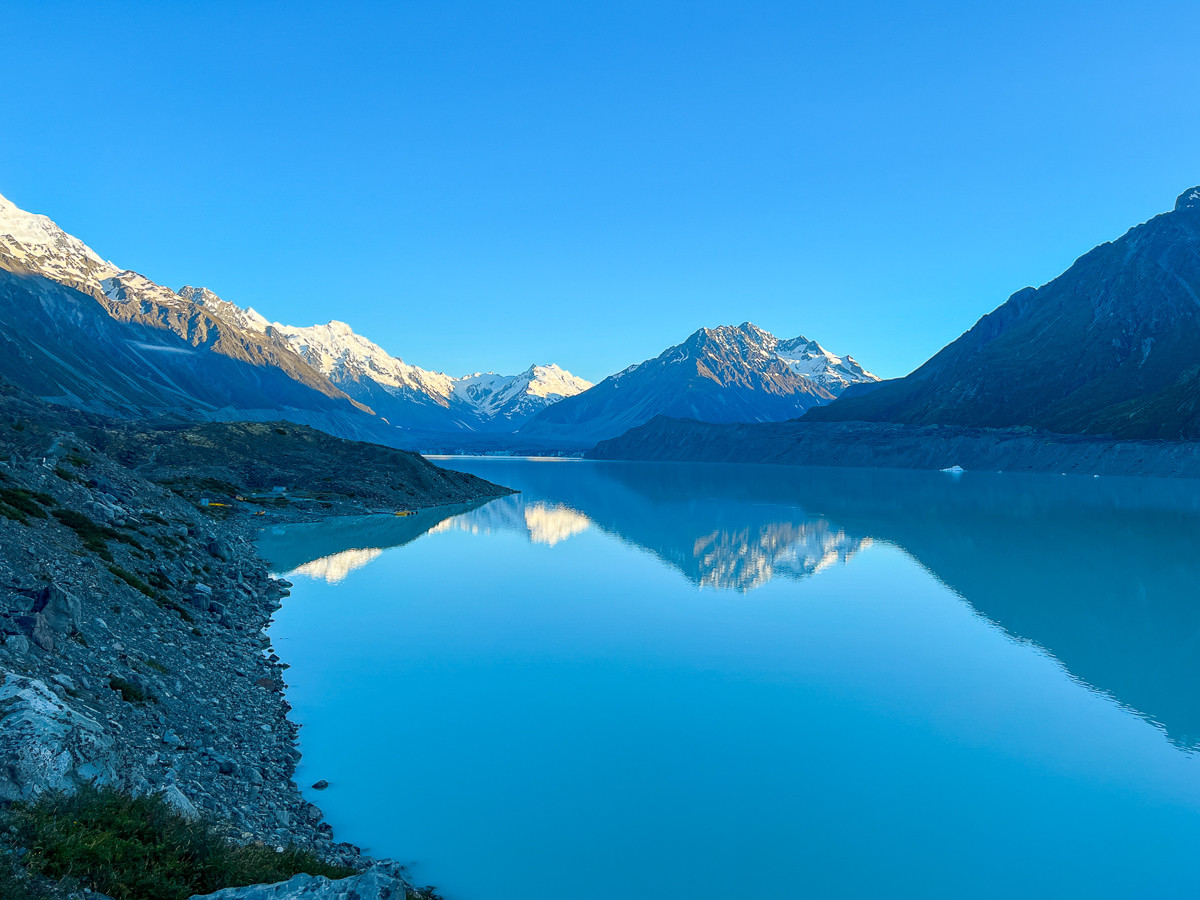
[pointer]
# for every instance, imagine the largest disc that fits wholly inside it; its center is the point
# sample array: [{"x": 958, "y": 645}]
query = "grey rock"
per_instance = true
[
  {"x": 321, "y": 785},
  {"x": 45, "y": 745},
  {"x": 64, "y": 680},
  {"x": 60, "y": 608},
  {"x": 16, "y": 643},
  {"x": 37, "y": 629},
  {"x": 220, "y": 550},
  {"x": 382, "y": 881},
  {"x": 176, "y": 799}
]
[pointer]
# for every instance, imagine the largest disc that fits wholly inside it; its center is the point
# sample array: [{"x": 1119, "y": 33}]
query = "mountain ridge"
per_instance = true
[
  {"x": 723, "y": 374},
  {"x": 1109, "y": 347}
]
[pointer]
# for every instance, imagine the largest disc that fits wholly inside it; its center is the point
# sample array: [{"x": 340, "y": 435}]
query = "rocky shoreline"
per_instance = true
[{"x": 134, "y": 652}]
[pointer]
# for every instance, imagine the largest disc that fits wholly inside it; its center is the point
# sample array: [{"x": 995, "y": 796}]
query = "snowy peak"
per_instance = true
[
  {"x": 342, "y": 355},
  {"x": 363, "y": 369},
  {"x": 804, "y": 357},
  {"x": 810, "y": 360},
  {"x": 39, "y": 234},
  {"x": 33, "y": 245},
  {"x": 223, "y": 309},
  {"x": 517, "y": 397}
]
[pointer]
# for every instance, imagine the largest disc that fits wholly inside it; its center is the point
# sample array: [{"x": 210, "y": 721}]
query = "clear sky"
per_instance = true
[{"x": 482, "y": 185}]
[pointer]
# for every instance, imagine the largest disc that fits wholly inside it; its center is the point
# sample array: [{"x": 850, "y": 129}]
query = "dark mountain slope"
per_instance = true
[
  {"x": 1111, "y": 346},
  {"x": 142, "y": 357}
]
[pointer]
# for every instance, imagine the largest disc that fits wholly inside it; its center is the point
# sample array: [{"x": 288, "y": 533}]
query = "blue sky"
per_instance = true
[{"x": 482, "y": 185}]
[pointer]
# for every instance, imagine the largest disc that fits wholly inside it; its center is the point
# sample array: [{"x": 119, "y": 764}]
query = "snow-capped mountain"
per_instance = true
[
  {"x": 809, "y": 359},
  {"x": 512, "y": 399},
  {"x": 725, "y": 374},
  {"x": 80, "y": 330},
  {"x": 422, "y": 399}
]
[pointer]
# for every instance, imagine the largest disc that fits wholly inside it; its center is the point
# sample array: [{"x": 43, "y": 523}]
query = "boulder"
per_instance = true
[
  {"x": 46, "y": 745},
  {"x": 175, "y": 799},
  {"x": 383, "y": 881},
  {"x": 60, "y": 607},
  {"x": 37, "y": 629}
]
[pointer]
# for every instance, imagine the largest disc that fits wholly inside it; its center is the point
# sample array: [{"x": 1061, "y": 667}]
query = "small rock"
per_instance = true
[{"x": 321, "y": 785}]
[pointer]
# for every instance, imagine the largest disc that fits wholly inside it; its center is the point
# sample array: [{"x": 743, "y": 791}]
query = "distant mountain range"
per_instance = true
[
  {"x": 406, "y": 395},
  {"x": 1110, "y": 347},
  {"x": 1097, "y": 371},
  {"x": 81, "y": 331},
  {"x": 725, "y": 374}
]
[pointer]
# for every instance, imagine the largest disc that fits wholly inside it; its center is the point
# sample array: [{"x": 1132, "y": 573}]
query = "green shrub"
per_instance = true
[
  {"x": 142, "y": 849},
  {"x": 66, "y": 474},
  {"x": 134, "y": 582},
  {"x": 95, "y": 537},
  {"x": 15, "y": 514},
  {"x": 25, "y": 501}
]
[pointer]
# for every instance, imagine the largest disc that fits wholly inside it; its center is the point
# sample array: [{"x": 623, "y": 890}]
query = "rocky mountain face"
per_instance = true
[
  {"x": 725, "y": 374},
  {"x": 82, "y": 332},
  {"x": 1111, "y": 346}
]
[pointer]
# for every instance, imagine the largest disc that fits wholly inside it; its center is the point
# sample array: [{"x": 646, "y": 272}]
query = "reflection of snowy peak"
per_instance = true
[
  {"x": 746, "y": 559},
  {"x": 540, "y": 522},
  {"x": 337, "y": 566}
]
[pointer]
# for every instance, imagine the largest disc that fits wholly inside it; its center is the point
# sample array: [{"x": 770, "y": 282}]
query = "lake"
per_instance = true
[{"x": 688, "y": 681}]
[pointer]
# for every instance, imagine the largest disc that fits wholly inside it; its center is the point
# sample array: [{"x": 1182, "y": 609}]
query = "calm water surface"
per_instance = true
[{"x": 670, "y": 681}]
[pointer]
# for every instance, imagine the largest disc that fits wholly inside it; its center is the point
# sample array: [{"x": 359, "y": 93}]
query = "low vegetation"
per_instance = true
[
  {"x": 137, "y": 848},
  {"x": 21, "y": 505},
  {"x": 93, "y": 536}
]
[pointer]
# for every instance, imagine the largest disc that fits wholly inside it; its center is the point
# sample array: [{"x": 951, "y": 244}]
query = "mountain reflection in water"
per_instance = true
[{"x": 1102, "y": 573}]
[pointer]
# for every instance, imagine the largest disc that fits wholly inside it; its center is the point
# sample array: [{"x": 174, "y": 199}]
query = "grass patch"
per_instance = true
[
  {"x": 19, "y": 504},
  {"x": 134, "y": 582},
  {"x": 157, "y": 666},
  {"x": 15, "y": 514},
  {"x": 142, "y": 849},
  {"x": 66, "y": 474},
  {"x": 28, "y": 502},
  {"x": 79, "y": 462},
  {"x": 93, "y": 536}
]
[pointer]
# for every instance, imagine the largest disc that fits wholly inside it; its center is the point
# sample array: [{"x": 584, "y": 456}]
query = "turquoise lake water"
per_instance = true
[{"x": 673, "y": 681}]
